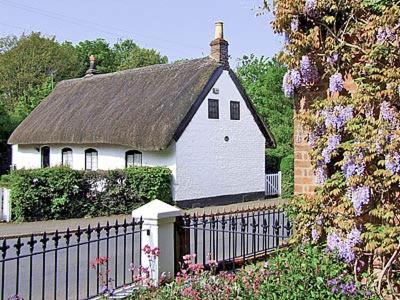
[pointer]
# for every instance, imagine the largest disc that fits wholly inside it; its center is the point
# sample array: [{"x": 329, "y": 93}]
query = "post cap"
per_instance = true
[{"x": 156, "y": 210}]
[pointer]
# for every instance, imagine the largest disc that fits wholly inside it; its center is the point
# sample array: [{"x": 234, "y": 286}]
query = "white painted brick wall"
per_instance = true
[
  {"x": 109, "y": 157},
  {"x": 209, "y": 166}
]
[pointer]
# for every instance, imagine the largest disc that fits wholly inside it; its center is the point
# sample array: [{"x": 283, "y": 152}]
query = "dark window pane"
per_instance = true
[
  {"x": 213, "y": 109},
  {"x": 45, "y": 152},
  {"x": 133, "y": 158},
  {"x": 91, "y": 159},
  {"x": 66, "y": 154},
  {"x": 235, "y": 110}
]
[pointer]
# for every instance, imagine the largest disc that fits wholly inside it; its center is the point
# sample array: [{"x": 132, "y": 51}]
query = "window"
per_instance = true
[
  {"x": 66, "y": 157},
  {"x": 91, "y": 159},
  {"x": 213, "y": 109},
  {"x": 133, "y": 158},
  {"x": 235, "y": 110},
  {"x": 45, "y": 156}
]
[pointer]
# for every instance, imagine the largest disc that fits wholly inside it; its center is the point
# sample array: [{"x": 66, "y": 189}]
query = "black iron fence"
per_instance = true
[
  {"x": 231, "y": 239},
  {"x": 75, "y": 264}
]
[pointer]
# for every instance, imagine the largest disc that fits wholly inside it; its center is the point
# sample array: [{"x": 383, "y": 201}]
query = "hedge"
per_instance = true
[
  {"x": 62, "y": 193},
  {"x": 287, "y": 169}
]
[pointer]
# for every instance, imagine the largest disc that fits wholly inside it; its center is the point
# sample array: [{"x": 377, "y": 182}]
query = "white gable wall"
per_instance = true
[{"x": 207, "y": 165}]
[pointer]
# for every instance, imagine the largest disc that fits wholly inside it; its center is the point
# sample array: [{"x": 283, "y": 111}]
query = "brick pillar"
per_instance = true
[{"x": 304, "y": 179}]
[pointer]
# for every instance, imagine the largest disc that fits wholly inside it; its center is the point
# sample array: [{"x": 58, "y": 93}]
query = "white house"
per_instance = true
[{"x": 193, "y": 117}]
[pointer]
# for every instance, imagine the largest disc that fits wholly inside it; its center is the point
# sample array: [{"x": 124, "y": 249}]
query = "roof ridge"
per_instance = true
[{"x": 150, "y": 68}]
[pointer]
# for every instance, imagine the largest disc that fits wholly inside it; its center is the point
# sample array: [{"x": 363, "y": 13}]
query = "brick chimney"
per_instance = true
[
  {"x": 92, "y": 66},
  {"x": 219, "y": 47}
]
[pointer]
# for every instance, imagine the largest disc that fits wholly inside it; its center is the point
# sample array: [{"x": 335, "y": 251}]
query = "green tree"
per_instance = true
[
  {"x": 30, "y": 61},
  {"x": 262, "y": 80},
  {"x": 31, "y": 98},
  {"x": 129, "y": 55},
  {"x": 123, "y": 55}
]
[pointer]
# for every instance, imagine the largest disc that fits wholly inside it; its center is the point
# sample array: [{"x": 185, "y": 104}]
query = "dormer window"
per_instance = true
[
  {"x": 235, "y": 110},
  {"x": 91, "y": 159},
  {"x": 133, "y": 158},
  {"x": 66, "y": 157},
  {"x": 45, "y": 156},
  {"x": 213, "y": 109}
]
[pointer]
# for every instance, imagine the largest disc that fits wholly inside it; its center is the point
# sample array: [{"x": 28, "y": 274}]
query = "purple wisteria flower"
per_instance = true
[
  {"x": 314, "y": 235},
  {"x": 344, "y": 246},
  {"x": 332, "y": 241},
  {"x": 385, "y": 34},
  {"x": 360, "y": 196},
  {"x": 315, "y": 135},
  {"x": 294, "y": 24},
  {"x": 333, "y": 59},
  {"x": 349, "y": 289},
  {"x": 319, "y": 220},
  {"x": 354, "y": 237},
  {"x": 354, "y": 165},
  {"x": 287, "y": 86},
  {"x": 343, "y": 249},
  {"x": 291, "y": 81},
  {"x": 333, "y": 143},
  {"x": 320, "y": 175},
  {"x": 337, "y": 116},
  {"x": 387, "y": 112},
  {"x": 310, "y": 7},
  {"x": 392, "y": 162},
  {"x": 308, "y": 70},
  {"x": 286, "y": 38},
  {"x": 336, "y": 83}
]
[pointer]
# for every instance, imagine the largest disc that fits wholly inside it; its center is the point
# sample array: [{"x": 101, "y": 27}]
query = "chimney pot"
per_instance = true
[
  {"x": 219, "y": 47},
  {"x": 92, "y": 66},
  {"x": 219, "y": 30}
]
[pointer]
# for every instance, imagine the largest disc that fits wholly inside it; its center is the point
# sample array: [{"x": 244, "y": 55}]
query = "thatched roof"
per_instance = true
[{"x": 144, "y": 108}]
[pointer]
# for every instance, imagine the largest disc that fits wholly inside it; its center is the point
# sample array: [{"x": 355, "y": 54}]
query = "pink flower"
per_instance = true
[
  {"x": 102, "y": 260},
  {"x": 156, "y": 251},
  {"x": 147, "y": 249},
  {"x": 212, "y": 263}
]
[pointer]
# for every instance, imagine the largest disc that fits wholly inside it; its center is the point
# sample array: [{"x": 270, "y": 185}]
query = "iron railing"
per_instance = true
[
  {"x": 62, "y": 265},
  {"x": 231, "y": 239}
]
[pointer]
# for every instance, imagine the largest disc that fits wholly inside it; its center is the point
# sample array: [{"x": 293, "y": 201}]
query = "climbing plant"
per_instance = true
[{"x": 343, "y": 59}]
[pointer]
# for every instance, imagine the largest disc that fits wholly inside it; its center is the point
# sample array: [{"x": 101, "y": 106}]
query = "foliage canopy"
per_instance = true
[{"x": 262, "y": 80}]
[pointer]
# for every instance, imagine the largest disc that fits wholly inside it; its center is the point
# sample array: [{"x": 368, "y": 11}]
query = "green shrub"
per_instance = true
[
  {"x": 287, "y": 169},
  {"x": 305, "y": 272},
  {"x": 50, "y": 193},
  {"x": 4, "y": 181},
  {"x": 309, "y": 273},
  {"x": 150, "y": 183},
  {"x": 61, "y": 193}
]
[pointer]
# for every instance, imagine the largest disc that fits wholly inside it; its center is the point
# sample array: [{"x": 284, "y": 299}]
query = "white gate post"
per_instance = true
[
  {"x": 158, "y": 231},
  {"x": 279, "y": 183},
  {"x": 5, "y": 213},
  {"x": 1, "y": 203}
]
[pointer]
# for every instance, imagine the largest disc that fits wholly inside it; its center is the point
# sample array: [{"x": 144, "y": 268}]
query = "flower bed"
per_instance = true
[{"x": 305, "y": 272}]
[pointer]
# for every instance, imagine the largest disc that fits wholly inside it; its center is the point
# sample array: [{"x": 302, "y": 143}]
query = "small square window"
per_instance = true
[
  {"x": 213, "y": 109},
  {"x": 235, "y": 110}
]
